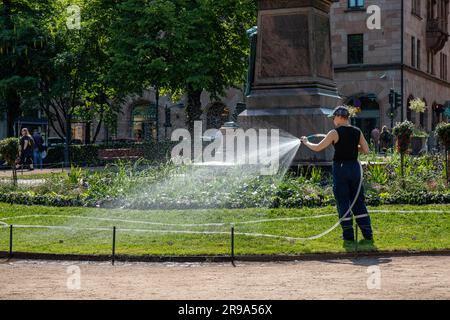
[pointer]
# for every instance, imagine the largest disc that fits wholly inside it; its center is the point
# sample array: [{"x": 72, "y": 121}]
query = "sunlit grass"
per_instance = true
[{"x": 393, "y": 231}]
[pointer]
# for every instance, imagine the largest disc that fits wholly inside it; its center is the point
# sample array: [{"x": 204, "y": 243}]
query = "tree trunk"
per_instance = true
[
  {"x": 12, "y": 111},
  {"x": 68, "y": 141},
  {"x": 446, "y": 166},
  {"x": 14, "y": 174},
  {"x": 12, "y": 99},
  {"x": 402, "y": 166},
  {"x": 194, "y": 107},
  {"x": 97, "y": 130},
  {"x": 87, "y": 133}
]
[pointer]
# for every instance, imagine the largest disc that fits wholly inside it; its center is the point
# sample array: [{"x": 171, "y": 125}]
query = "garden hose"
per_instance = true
[{"x": 345, "y": 216}]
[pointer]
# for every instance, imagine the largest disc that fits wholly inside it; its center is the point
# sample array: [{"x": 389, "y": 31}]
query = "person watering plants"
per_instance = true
[{"x": 348, "y": 142}]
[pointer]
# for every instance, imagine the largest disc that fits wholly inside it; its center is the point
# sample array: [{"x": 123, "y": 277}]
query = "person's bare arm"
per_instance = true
[
  {"x": 332, "y": 137},
  {"x": 363, "y": 145}
]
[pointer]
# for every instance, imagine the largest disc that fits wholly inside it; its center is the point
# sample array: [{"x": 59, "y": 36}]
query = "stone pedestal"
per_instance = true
[{"x": 293, "y": 87}]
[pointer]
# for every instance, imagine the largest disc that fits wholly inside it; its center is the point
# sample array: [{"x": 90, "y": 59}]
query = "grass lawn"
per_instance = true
[{"x": 413, "y": 230}]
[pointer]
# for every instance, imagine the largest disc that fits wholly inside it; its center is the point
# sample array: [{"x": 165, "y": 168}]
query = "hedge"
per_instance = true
[
  {"x": 29, "y": 198},
  {"x": 87, "y": 155},
  {"x": 298, "y": 201}
]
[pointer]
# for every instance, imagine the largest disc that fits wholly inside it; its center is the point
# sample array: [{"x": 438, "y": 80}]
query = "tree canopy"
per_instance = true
[
  {"x": 122, "y": 47},
  {"x": 182, "y": 46}
]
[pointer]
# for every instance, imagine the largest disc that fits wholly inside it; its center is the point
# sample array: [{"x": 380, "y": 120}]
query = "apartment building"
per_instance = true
[{"x": 409, "y": 53}]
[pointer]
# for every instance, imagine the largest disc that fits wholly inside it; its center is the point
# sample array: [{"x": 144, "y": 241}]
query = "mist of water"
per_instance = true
[{"x": 251, "y": 169}]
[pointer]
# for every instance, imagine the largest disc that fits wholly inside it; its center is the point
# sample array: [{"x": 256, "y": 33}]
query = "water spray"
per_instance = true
[{"x": 4, "y": 225}]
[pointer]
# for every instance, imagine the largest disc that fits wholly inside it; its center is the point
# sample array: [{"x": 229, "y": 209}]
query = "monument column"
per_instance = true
[{"x": 293, "y": 87}]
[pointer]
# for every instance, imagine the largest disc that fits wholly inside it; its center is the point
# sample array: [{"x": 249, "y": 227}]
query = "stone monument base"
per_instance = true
[{"x": 298, "y": 122}]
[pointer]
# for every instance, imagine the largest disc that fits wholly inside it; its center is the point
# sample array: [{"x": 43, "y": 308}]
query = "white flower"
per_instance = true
[{"x": 417, "y": 105}]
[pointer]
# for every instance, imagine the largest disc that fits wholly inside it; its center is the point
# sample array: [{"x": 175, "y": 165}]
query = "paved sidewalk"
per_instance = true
[{"x": 419, "y": 277}]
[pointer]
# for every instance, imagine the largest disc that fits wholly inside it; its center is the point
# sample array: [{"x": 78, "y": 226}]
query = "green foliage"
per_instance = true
[
  {"x": 316, "y": 175},
  {"x": 9, "y": 150},
  {"x": 75, "y": 175},
  {"x": 181, "y": 47},
  {"x": 404, "y": 128},
  {"x": 22, "y": 41},
  {"x": 141, "y": 184},
  {"x": 87, "y": 155},
  {"x": 62, "y": 71},
  {"x": 443, "y": 134},
  {"x": 378, "y": 174},
  {"x": 420, "y": 133}
]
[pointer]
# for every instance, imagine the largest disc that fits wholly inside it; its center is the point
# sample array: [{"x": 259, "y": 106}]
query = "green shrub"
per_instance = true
[
  {"x": 378, "y": 174},
  {"x": 143, "y": 185},
  {"x": 443, "y": 134},
  {"x": 316, "y": 175},
  {"x": 403, "y": 131},
  {"x": 87, "y": 155},
  {"x": 9, "y": 150}
]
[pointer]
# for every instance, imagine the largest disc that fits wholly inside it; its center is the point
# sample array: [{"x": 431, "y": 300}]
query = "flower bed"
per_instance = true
[{"x": 143, "y": 186}]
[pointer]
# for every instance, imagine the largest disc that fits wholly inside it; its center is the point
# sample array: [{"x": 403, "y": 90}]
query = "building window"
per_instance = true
[
  {"x": 430, "y": 62},
  {"x": 418, "y": 54},
  {"x": 416, "y": 7},
  {"x": 443, "y": 66},
  {"x": 355, "y": 4},
  {"x": 144, "y": 122},
  {"x": 430, "y": 9},
  {"x": 355, "y": 48},
  {"x": 413, "y": 51},
  {"x": 424, "y": 116}
]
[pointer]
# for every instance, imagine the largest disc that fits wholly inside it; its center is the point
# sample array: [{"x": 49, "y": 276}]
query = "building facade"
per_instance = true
[
  {"x": 409, "y": 54},
  {"x": 138, "y": 120}
]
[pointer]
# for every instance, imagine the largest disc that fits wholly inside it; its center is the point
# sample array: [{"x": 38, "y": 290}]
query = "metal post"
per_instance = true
[
  {"x": 446, "y": 165},
  {"x": 232, "y": 247},
  {"x": 157, "y": 113},
  {"x": 114, "y": 246},
  {"x": 11, "y": 241}
]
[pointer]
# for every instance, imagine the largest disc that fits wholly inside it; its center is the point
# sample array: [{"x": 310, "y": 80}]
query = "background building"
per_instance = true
[
  {"x": 138, "y": 119},
  {"x": 409, "y": 53}
]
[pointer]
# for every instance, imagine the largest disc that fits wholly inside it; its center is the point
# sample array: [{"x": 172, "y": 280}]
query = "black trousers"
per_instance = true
[{"x": 346, "y": 179}]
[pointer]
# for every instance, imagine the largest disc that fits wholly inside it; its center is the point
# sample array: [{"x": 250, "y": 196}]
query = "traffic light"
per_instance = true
[
  {"x": 391, "y": 97},
  {"x": 397, "y": 100}
]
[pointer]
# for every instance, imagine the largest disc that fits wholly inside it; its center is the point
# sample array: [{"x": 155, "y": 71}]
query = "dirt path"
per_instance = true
[
  {"x": 401, "y": 278},
  {"x": 21, "y": 173}
]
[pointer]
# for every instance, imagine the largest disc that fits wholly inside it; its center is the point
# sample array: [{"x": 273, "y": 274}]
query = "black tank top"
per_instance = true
[{"x": 346, "y": 148}]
